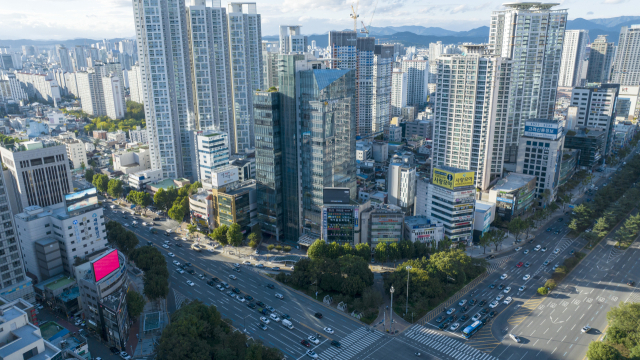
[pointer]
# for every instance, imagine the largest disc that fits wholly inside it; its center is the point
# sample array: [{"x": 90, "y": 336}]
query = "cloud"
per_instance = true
[
  {"x": 590, "y": 13},
  {"x": 614, "y": 1},
  {"x": 463, "y": 8}
]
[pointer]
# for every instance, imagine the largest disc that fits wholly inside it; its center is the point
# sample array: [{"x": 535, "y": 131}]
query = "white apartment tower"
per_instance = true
[
  {"x": 65, "y": 60},
  {"x": 573, "y": 49},
  {"x": 469, "y": 122},
  {"x": 79, "y": 57},
  {"x": 291, "y": 42},
  {"x": 531, "y": 35},
  {"x": 626, "y": 66},
  {"x": 417, "y": 79},
  {"x": 600, "y": 60},
  {"x": 398, "y": 91},
  {"x": 135, "y": 84},
  {"x": 113, "y": 91}
]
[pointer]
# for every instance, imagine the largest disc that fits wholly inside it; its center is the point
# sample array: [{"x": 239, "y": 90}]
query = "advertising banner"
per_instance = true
[{"x": 451, "y": 180}]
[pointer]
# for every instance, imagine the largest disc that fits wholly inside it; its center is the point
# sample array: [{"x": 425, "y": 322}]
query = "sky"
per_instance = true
[{"x": 98, "y": 19}]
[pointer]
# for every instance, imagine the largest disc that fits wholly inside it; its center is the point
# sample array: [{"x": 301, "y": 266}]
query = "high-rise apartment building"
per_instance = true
[
  {"x": 113, "y": 91},
  {"x": 266, "y": 108},
  {"x": 596, "y": 105},
  {"x": 531, "y": 35},
  {"x": 382, "y": 85},
  {"x": 469, "y": 118},
  {"x": 573, "y": 49},
  {"x": 398, "y": 91},
  {"x": 601, "y": 57},
  {"x": 626, "y": 66},
  {"x": 90, "y": 92},
  {"x": 135, "y": 84},
  {"x": 291, "y": 41},
  {"x": 63, "y": 55},
  {"x": 417, "y": 79},
  {"x": 401, "y": 186},
  {"x": 79, "y": 57},
  {"x": 600, "y": 60}
]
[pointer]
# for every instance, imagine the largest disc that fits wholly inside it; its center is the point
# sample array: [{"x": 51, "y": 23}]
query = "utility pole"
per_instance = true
[{"x": 391, "y": 311}]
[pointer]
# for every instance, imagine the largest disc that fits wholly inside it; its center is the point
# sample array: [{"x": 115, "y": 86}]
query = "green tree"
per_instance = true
[
  {"x": 234, "y": 235},
  {"x": 179, "y": 209},
  {"x": 161, "y": 199},
  {"x": 101, "y": 182},
  {"x": 497, "y": 237},
  {"x": 486, "y": 240},
  {"x": 601, "y": 227},
  {"x": 253, "y": 238},
  {"x": 82, "y": 165},
  {"x": 219, "y": 234},
  {"x": 601, "y": 351},
  {"x": 364, "y": 251},
  {"x": 317, "y": 250},
  {"x": 135, "y": 303},
  {"x": 88, "y": 174},
  {"x": 380, "y": 252},
  {"x": 582, "y": 219},
  {"x": 543, "y": 291},
  {"x": 516, "y": 226},
  {"x": 115, "y": 188}
]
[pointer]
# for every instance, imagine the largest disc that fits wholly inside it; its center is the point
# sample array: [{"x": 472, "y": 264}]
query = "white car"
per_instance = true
[
  {"x": 190, "y": 283},
  {"x": 232, "y": 277},
  {"x": 454, "y": 326},
  {"x": 247, "y": 262},
  {"x": 476, "y": 317},
  {"x": 556, "y": 251},
  {"x": 586, "y": 329},
  {"x": 451, "y": 311},
  {"x": 328, "y": 330},
  {"x": 543, "y": 249},
  {"x": 314, "y": 340},
  {"x": 176, "y": 263},
  {"x": 165, "y": 246},
  {"x": 508, "y": 300},
  {"x": 504, "y": 276},
  {"x": 462, "y": 302},
  {"x": 507, "y": 289},
  {"x": 275, "y": 317},
  {"x": 526, "y": 277},
  {"x": 180, "y": 271},
  {"x": 521, "y": 289},
  {"x": 241, "y": 299},
  {"x": 519, "y": 248},
  {"x": 264, "y": 320},
  {"x": 537, "y": 248},
  {"x": 556, "y": 266},
  {"x": 220, "y": 287},
  {"x": 171, "y": 255},
  {"x": 526, "y": 252},
  {"x": 184, "y": 239},
  {"x": 514, "y": 338},
  {"x": 312, "y": 354},
  {"x": 499, "y": 297},
  {"x": 280, "y": 296},
  {"x": 126, "y": 225},
  {"x": 124, "y": 355},
  {"x": 493, "y": 304},
  {"x": 236, "y": 265}
]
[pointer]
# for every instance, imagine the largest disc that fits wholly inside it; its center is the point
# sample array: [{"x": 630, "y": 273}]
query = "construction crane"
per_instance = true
[
  {"x": 354, "y": 15},
  {"x": 364, "y": 29}
]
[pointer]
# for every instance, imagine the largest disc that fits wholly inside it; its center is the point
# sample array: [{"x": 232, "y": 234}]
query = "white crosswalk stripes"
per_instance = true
[
  {"x": 180, "y": 299},
  {"x": 445, "y": 345},
  {"x": 352, "y": 344}
]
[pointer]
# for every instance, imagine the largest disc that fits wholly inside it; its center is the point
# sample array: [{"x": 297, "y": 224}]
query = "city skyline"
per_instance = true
[{"x": 114, "y": 18}]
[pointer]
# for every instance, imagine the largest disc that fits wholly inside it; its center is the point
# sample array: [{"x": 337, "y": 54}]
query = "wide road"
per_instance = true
[{"x": 353, "y": 335}]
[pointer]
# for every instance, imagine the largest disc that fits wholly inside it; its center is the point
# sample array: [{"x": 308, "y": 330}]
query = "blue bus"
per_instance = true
[{"x": 472, "y": 329}]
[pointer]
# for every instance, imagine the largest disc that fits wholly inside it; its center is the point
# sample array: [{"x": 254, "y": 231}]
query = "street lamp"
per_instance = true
[
  {"x": 406, "y": 311},
  {"x": 392, "y": 290}
]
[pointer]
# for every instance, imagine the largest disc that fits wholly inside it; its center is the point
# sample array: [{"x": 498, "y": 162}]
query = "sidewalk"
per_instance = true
[
  {"x": 141, "y": 344},
  {"x": 383, "y": 322}
]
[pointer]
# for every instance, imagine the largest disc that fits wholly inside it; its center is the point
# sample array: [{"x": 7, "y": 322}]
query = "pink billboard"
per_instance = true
[{"x": 106, "y": 265}]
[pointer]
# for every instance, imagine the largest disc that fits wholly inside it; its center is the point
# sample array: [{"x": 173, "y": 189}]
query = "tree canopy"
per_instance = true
[
  {"x": 101, "y": 182},
  {"x": 115, "y": 188},
  {"x": 125, "y": 240},
  {"x": 156, "y": 276}
]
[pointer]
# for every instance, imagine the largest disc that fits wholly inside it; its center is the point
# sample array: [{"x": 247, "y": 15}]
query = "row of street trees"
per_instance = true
[
  {"x": 156, "y": 275},
  {"x": 176, "y": 201},
  {"x": 113, "y": 187},
  {"x": 623, "y": 335}
]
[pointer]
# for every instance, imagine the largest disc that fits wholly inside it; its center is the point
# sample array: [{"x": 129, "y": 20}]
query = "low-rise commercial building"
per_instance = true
[
  {"x": 201, "y": 208},
  {"x": 421, "y": 229},
  {"x": 139, "y": 180},
  {"x": 513, "y": 195},
  {"x": 118, "y": 136},
  {"x": 236, "y": 204},
  {"x": 591, "y": 144},
  {"x": 61, "y": 293},
  {"x": 21, "y": 339},
  {"x": 132, "y": 161},
  {"x": 76, "y": 152},
  {"x": 382, "y": 223},
  {"x": 484, "y": 214}
]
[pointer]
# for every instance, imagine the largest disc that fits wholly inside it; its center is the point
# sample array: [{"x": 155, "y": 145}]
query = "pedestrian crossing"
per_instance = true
[
  {"x": 446, "y": 345},
  {"x": 352, "y": 344},
  {"x": 180, "y": 299}
]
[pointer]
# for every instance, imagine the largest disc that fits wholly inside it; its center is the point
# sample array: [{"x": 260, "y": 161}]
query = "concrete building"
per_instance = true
[
  {"x": 237, "y": 204},
  {"x": 341, "y": 222},
  {"x": 380, "y": 151},
  {"x": 139, "y": 180},
  {"x": 12, "y": 88},
  {"x": 596, "y": 105},
  {"x": 381, "y": 92},
  {"x": 532, "y": 91},
  {"x": 103, "y": 297},
  {"x": 52, "y": 238},
  {"x": 401, "y": 186},
  {"x": 22, "y": 339},
  {"x": 37, "y": 174},
  {"x": 540, "y": 155},
  {"x": 422, "y": 229},
  {"x": 99, "y": 134},
  {"x": 201, "y": 209},
  {"x": 484, "y": 214},
  {"x": 417, "y": 79},
  {"x": 76, "y": 152},
  {"x": 573, "y": 51},
  {"x": 513, "y": 195},
  {"x": 132, "y": 161},
  {"x": 135, "y": 84},
  {"x": 382, "y": 223},
  {"x": 422, "y": 129},
  {"x": 398, "y": 91},
  {"x": 113, "y": 91},
  {"x": 626, "y": 65},
  {"x": 213, "y": 152},
  {"x": 40, "y": 86},
  {"x": 291, "y": 41},
  {"x": 138, "y": 136},
  {"x": 601, "y": 58},
  {"x": 118, "y": 136},
  {"x": 65, "y": 60}
]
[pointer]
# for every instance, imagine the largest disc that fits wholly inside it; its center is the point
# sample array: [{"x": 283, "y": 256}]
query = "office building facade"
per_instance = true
[
  {"x": 401, "y": 186},
  {"x": 573, "y": 50},
  {"x": 626, "y": 66},
  {"x": 291, "y": 41},
  {"x": 398, "y": 91},
  {"x": 213, "y": 152},
  {"x": 601, "y": 57},
  {"x": 596, "y": 105}
]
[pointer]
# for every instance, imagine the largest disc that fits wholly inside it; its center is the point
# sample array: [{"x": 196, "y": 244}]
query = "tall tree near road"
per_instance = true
[
  {"x": 219, "y": 234},
  {"x": 234, "y": 235},
  {"x": 497, "y": 237},
  {"x": 485, "y": 240},
  {"x": 516, "y": 227}
]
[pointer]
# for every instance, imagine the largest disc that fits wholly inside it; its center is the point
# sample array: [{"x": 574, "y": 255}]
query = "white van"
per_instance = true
[{"x": 287, "y": 324}]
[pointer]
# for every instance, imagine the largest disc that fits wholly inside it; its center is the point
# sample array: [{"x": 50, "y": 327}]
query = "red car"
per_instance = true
[
  {"x": 519, "y": 264},
  {"x": 305, "y": 343}
]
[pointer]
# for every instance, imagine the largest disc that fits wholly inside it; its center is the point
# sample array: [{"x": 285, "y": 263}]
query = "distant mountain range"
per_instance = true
[
  {"x": 409, "y": 35},
  {"x": 421, "y": 36}
]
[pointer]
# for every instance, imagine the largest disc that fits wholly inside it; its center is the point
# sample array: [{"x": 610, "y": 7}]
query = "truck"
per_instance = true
[{"x": 287, "y": 324}]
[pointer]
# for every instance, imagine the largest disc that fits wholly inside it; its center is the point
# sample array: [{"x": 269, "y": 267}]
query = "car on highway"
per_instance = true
[
  {"x": 514, "y": 338},
  {"x": 526, "y": 277},
  {"x": 190, "y": 283},
  {"x": 439, "y": 319},
  {"x": 191, "y": 271},
  {"x": 230, "y": 293},
  {"x": 285, "y": 316},
  {"x": 476, "y": 317},
  {"x": 493, "y": 313},
  {"x": 556, "y": 266},
  {"x": 454, "y": 326},
  {"x": 560, "y": 219},
  {"x": 484, "y": 311},
  {"x": 275, "y": 317},
  {"x": 556, "y": 251},
  {"x": 519, "y": 264},
  {"x": 527, "y": 265},
  {"x": 328, "y": 330},
  {"x": 260, "y": 303},
  {"x": 211, "y": 283},
  {"x": 472, "y": 302},
  {"x": 270, "y": 308},
  {"x": 201, "y": 277},
  {"x": 482, "y": 302},
  {"x": 262, "y": 326},
  {"x": 493, "y": 304},
  {"x": 335, "y": 343},
  {"x": 280, "y": 296},
  {"x": 220, "y": 287},
  {"x": 171, "y": 255},
  {"x": 519, "y": 248},
  {"x": 240, "y": 298},
  {"x": 259, "y": 266},
  {"x": 499, "y": 297},
  {"x": 545, "y": 263},
  {"x": 464, "y": 309},
  {"x": 521, "y": 288},
  {"x": 180, "y": 271},
  {"x": 318, "y": 315},
  {"x": 451, "y": 311},
  {"x": 572, "y": 252},
  {"x": 490, "y": 257},
  {"x": 271, "y": 286},
  {"x": 631, "y": 282},
  {"x": 124, "y": 355},
  {"x": 557, "y": 232},
  {"x": 507, "y": 289},
  {"x": 249, "y": 297},
  {"x": 236, "y": 290},
  {"x": 237, "y": 269},
  {"x": 311, "y": 354},
  {"x": 179, "y": 245},
  {"x": 165, "y": 246},
  {"x": 508, "y": 300},
  {"x": 492, "y": 286},
  {"x": 501, "y": 287},
  {"x": 150, "y": 243},
  {"x": 275, "y": 268},
  {"x": 246, "y": 262},
  {"x": 305, "y": 343},
  {"x": 543, "y": 249},
  {"x": 537, "y": 248},
  {"x": 264, "y": 320},
  {"x": 549, "y": 229},
  {"x": 462, "y": 302},
  {"x": 526, "y": 252},
  {"x": 232, "y": 277},
  {"x": 251, "y": 305},
  {"x": 504, "y": 276},
  {"x": 586, "y": 329},
  {"x": 313, "y": 339}
]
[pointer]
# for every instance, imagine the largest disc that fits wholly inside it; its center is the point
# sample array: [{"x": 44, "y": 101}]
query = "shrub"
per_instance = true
[
  {"x": 270, "y": 247},
  {"x": 551, "y": 284},
  {"x": 287, "y": 248},
  {"x": 543, "y": 291},
  {"x": 278, "y": 247}
]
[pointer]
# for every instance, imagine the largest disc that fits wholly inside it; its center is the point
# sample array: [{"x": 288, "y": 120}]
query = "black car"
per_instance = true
[
  {"x": 184, "y": 266},
  {"x": 114, "y": 350},
  {"x": 271, "y": 286},
  {"x": 191, "y": 271},
  {"x": 490, "y": 257},
  {"x": 260, "y": 303},
  {"x": 149, "y": 243},
  {"x": 285, "y": 316},
  {"x": 464, "y": 309},
  {"x": 439, "y": 319},
  {"x": 451, "y": 318},
  {"x": 492, "y": 286},
  {"x": 178, "y": 245},
  {"x": 251, "y": 305},
  {"x": 215, "y": 279},
  {"x": 481, "y": 303},
  {"x": 249, "y": 297},
  {"x": 443, "y": 325},
  {"x": 236, "y": 290},
  {"x": 492, "y": 313},
  {"x": 188, "y": 263},
  {"x": 484, "y": 321},
  {"x": 318, "y": 315},
  {"x": 211, "y": 283},
  {"x": 156, "y": 219},
  {"x": 464, "y": 318},
  {"x": 484, "y": 311},
  {"x": 501, "y": 287},
  {"x": 631, "y": 283},
  {"x": 473, "y": 302},
  {"x": 335, "y": 343},
  {"x": 560, "y": 219}
]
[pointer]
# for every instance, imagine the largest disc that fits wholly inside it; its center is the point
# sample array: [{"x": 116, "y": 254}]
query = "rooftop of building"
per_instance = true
[
  {"x": 239, "y": 187},
  {"x": 512, "y": 182},
  {"x": 585, "y": 132},
  {"x": 416, "y": 220},
  {"x": 69, "y": 294},
  {"x": 163, "y": 184},
  {"x": 34, "y": 212},
  {"x": 483, "y": 205},
  {"x": 68, "y": 341},
  {"x": 23, "y": 337},
  {"x": 201, "y": 195},
  {"x": 56, "y": 282},
  {"x": 451, "y": 169},
  {"x": 51, "y": 330}
]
